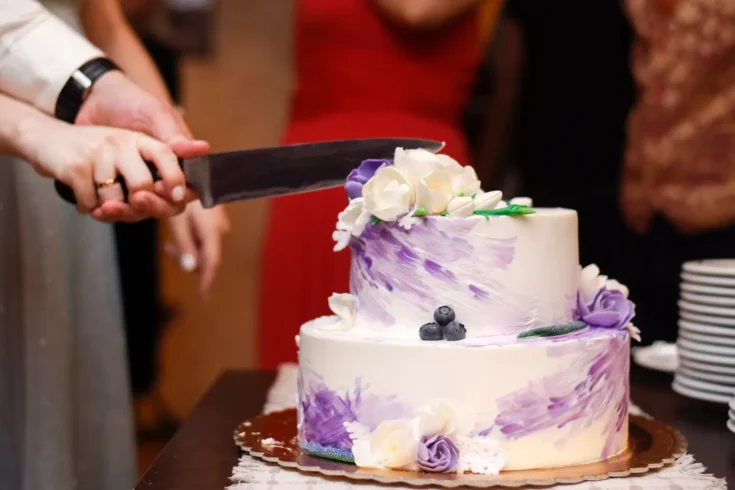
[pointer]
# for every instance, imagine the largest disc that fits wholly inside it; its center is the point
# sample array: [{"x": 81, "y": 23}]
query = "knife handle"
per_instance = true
[{"x": 67, "y": 194}]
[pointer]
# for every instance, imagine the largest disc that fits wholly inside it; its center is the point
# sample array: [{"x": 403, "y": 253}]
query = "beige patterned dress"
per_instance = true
[
  {"x": 65, "y": 420},
  {"x": 680, "y": 160}
]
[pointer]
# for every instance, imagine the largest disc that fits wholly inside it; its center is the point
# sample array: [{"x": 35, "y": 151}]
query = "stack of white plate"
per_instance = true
[
  {"x": 731, "y": 415},
  {"x": 706, "y": 341}
]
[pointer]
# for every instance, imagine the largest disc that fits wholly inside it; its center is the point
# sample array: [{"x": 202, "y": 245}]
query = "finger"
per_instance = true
[
  {"x": 184, "y": 238},
  {"x": 115, "y": 211},
  {"x": 223, "y": 222},
  {"x": 79, "y": 178},
  {"x": 188, "y": 148},
  {"x": 129, "y": 163},
  {"x": 167, "y": 164},
  {"x": 170, "y": 249},
  {"x": 210, "y": 254},
  {"x": 152, "y": 205},
  {"x": 160, "y": 189}
]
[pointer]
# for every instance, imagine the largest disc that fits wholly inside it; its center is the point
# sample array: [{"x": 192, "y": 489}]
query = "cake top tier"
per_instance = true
[{"x": 429, "y": 244}]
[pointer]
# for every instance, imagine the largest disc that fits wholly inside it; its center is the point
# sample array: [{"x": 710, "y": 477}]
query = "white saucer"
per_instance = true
[
  {"x": 705, "y": 376},
  {"x": 661, "y": 356},
  {"x": 703, "y": 289},
  {"x": 699, "y": 395},
  {"x": 708, "y": 299},
  {"x": 707, "y": 339},
  {"x": 700, "y": 385},
  {"x": 710, "y": 280},
  {"x": 731, "y": 425},
  {"x": 731, "y": 404},
  {"x": 706, "y": 366},
  {"x": 706, "y": 358},
  {"x": 716, "y": 267},
  {"x": 702, "y": 328},
  {"x": 707, "y": 310},
  {"x": 719, "y": 350},
  {"x": 707, "y": 319}
]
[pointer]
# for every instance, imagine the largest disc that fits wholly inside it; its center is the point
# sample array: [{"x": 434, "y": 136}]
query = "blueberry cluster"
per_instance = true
[{"x": 444, "y": 326}]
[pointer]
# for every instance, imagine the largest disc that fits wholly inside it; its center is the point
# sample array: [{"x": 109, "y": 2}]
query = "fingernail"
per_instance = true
[
  {"x": 178, "y": 193},
  {"x": 187, "y": 262}
]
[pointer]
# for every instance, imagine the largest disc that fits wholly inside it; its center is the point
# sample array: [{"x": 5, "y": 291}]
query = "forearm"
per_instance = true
[
  {"x": 38, "y": 53},
  {"x": 426, "y": 14},
  {"x": 20, "y": 125},
  {"x": 105, "y": 25}
]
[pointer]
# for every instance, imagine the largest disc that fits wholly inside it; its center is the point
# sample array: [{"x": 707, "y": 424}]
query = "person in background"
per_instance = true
[
  {"x": 64, "y": 393},
  {"x": 678, "y": 182},
  {"x": 364, "y": 68},
  {"x": 138, "y": 245}
]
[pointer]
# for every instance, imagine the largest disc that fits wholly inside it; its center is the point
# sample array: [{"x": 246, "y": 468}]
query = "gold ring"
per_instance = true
[{"x": 107, "y": 183}]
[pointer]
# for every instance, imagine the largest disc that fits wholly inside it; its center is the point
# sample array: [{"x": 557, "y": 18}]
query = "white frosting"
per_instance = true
[
  {"x": 472, "y": 380},
  {"x": 524, "y": 268}
]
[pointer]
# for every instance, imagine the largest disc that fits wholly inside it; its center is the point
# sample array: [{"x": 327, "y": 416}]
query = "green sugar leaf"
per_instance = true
[
  {"x": 461, "y": 194},
  {"x": 554, "y": 330},
  {"x": 474, "y": 195},
  {"x": 420, "y": 212},
  {"x": 374, "y": 220},
  {"x": 511, "y": 210},
  {"x": 444, "y": 213}
]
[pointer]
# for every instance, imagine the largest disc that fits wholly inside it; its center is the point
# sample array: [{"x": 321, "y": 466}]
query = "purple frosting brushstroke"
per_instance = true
[
  {"x": 420, "y": 263},
  {"x": 323, "y": 412},
  {"x": 562, "y": 399}
]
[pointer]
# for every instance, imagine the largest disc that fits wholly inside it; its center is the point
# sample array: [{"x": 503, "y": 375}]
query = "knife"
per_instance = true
[{"x": 220, "y": 178}]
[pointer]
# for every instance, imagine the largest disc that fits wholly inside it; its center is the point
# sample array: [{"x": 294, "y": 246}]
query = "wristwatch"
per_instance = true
[{"x": 77, "y": 89}]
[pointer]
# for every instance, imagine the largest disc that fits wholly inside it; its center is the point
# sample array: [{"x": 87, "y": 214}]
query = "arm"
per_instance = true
[
  {"x": 38, "y": 53},
  {"x": 105, "y": 24},
  {"x": 425, "y": 14}
]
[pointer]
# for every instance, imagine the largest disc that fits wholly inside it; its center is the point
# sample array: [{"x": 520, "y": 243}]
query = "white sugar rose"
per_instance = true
[
  {"x": 415, "y": 164},
  {"x": 450, "y": 166},
  {"x": 466, "y": 183},
  {"x": 388, "y": 194},
  {"x": 433, "y": 192},
  {"x": 395, "y": 444},
  {"x": 487, "y": 201},
  {"x": 351, "y": 221},
  {"x": 437, "y": 419},
  {"x": 590, "y": 280},
  {"x": 342, "y": 305},
  {"x": 461, "y": 207}
]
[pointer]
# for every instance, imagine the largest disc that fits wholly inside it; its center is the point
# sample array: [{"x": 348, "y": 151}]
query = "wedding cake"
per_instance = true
[{"x": 471, "y": 340}]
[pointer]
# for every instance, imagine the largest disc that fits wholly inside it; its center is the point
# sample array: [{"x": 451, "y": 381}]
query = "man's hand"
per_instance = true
[{"x": 118, "y": 102}]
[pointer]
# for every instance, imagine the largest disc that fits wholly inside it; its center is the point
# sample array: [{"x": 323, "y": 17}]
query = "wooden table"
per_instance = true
[{"x": 201, "y": 455}]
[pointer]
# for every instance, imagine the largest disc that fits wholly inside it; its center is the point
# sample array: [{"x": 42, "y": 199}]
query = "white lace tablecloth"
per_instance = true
[{"x": 253, "y": 474}]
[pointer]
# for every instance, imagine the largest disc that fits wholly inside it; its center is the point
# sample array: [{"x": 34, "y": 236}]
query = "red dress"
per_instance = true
[{"x": 358, "y": 76}]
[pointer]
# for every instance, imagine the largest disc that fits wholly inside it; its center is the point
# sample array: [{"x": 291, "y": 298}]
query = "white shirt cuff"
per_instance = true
[{"x": 38, "y": 54}]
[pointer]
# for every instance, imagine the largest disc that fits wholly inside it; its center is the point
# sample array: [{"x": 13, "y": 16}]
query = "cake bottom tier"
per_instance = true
[{"x": 519, "y": 404}]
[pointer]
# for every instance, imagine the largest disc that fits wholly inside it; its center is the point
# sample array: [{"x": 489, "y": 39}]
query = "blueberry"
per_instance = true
[
  {"x": 443, "y": 315},
  {"x": 431, "y": 331},
  {"x": 455, "y": 331}
]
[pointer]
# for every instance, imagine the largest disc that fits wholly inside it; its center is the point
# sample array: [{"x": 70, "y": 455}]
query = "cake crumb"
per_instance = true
[{"x": 270, "y": 442}]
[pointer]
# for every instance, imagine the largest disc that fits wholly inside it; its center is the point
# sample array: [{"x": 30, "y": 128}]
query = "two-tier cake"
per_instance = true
[{"x": 471, "y": 340}]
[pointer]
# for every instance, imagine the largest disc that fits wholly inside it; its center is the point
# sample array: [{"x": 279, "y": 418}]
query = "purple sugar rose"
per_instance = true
[
  {"x": 438, "y": 454},
  {"x": 606, "y": 309},
  {"x": 359, "y": 176}
]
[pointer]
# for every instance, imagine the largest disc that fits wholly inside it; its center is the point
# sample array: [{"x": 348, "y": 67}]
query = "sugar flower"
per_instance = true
[
  {"x": 359, "y": 176},
  {"x": 461, "y": 207},
  {"x": 415, "y": 164},
  {"x": 351, "y": 221},
  {"x": 487, "y": 201},
  {"x": 393, "y": 444},
  {"x": 590, "y": 280},
  {"x": 343, "y": 306},
  {"x": 437, "y": 454},
  {"x": 606, "y": 309},
  {"x": 433, "y": 192},
  {"x": 388, "y": 194}
]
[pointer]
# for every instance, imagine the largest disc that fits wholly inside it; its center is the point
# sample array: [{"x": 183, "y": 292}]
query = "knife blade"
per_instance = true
[{"x": 220, "y": 178}]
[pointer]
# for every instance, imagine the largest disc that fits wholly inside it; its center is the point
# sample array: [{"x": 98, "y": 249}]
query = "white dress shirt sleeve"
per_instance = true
[{"x": 38, "y": 53}]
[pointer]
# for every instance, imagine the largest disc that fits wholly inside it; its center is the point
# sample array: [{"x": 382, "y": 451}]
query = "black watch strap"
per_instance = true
[{"x": 76, "y": 89}]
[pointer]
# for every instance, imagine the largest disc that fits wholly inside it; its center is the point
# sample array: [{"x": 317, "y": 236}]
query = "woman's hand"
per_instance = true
[
  {"x": 197, "y": 234},
  {"x": 85, "y": 158}
]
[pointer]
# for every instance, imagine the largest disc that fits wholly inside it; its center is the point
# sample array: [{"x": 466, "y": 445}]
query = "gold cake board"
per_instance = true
[{"x": 652, "y": 445}]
